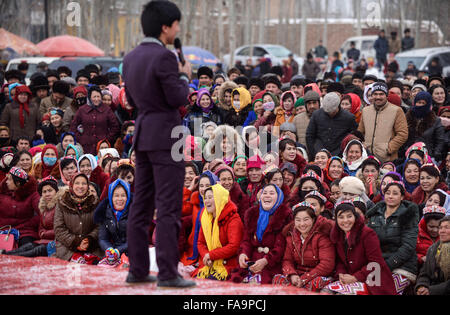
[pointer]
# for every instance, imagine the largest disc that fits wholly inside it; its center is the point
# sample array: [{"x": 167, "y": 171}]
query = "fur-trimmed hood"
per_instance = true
[
  {"x": 228, "y": 85},
  {"x": 46, "y": 206},
  {"x": 218, "y": 135}
]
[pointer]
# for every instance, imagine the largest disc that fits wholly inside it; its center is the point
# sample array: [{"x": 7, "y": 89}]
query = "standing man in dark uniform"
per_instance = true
[{"x": 157, "y": 85}]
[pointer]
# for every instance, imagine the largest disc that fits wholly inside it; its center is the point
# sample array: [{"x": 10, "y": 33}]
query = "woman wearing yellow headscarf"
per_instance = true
[{"x": 220, "y": 235}]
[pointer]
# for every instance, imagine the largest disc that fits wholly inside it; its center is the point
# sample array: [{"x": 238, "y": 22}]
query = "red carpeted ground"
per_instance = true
[{"x": 47, "y": 276}]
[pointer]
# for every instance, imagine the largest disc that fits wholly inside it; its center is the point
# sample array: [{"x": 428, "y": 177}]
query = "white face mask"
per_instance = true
[{"x": 237, "y": 104}]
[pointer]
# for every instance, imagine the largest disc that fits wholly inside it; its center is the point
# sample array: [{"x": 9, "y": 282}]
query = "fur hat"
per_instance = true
[
  {"x": 13, "y": 74},
  {"x": 272, "y": 79},
  {"x": 256, "y": 82},
  {"x": 335, "y": 87},
  {"x": 352, "y": 185},
  {"x": 39, "y": 82},
  {"x": 242, "y": 80},
  {"x": 205, "y": 71},
  {"x": 61, "y": 87}
]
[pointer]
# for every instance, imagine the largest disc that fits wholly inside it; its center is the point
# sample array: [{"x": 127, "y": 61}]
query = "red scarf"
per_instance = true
[{"x": 23, "y": 106}]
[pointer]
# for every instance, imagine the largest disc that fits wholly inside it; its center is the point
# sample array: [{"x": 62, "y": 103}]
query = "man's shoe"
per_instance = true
[
  {"x": 179, "y": 283},
  {"x": 131, "y": 279}
]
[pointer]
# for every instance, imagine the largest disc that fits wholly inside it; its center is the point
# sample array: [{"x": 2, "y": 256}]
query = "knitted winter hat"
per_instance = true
[
  {"x": 311, "y": 96},
  {"x": 255, "y": 162},
  {"x": 380, "y": 86},
  {"x": 222, "y": 168},
  {"x": 352, "y": 185}
]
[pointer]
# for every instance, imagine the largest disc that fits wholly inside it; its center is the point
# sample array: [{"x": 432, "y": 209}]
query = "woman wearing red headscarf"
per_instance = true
[
  {"x": 352, "y": 103},
  {"x": 49, "y": 163},
  {"x": 21, "y": 116}
]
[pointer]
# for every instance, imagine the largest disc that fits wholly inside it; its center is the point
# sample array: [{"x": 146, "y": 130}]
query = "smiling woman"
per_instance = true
[{"x": 430, "y": 180}]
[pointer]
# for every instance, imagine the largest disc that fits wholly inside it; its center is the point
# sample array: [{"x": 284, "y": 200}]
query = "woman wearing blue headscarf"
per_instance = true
[
  {"x": 192, "y": 212},
  {"x": 263, "y": 245},
  {"x": 112, "y": 216}
]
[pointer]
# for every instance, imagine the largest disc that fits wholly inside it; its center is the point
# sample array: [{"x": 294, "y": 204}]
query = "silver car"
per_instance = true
[
  {"x": 275, "y": 53},
  {"x": 422, "y": 58}
]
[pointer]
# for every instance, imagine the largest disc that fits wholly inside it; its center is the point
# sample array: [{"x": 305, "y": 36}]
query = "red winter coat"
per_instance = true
[
  {"x": 100, "y": 178},
  {"x": 363, "y": 248},
  {"x": 418, "y": 195},
  {"x": 20, "y": 208},
  {"x": 231, "y": 231},
  {"x": 46, "y": 231},
  {"x": 424, "y": 241},
  {"x": 240, "y": 199},
  {"x": 272, "y": 239},
  {"x": 190, "y": 210},
  {"x": 315, "y": 258},
  {"x": 97, "y": 124}
]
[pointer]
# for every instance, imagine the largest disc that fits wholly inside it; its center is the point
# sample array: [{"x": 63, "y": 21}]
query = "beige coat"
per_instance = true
[
  {"x": 72, "y": 225},
  {"x": 385, "y": 131},
  {"x": 301, "y": 122},
  {"x": 48, "y": 103}
]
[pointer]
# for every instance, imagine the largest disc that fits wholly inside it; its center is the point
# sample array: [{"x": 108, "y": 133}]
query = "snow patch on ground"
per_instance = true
[{"x": 51, "y": 276}]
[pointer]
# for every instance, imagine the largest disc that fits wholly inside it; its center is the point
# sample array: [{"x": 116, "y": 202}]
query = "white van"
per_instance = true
[
  {"x": 363, "y": 43},
  {"x": 32, "y": 62}
]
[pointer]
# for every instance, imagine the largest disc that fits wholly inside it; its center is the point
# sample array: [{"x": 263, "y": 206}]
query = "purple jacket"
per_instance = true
[
  {"x": 154, "y": 86},
  {"x": 97, "y": 124}
]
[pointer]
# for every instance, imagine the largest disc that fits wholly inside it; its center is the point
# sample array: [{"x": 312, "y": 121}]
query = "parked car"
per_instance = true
[
  {"x": 363, "y": 43},
  {"x": 422, "y": 58},
  {"x": 77, "y": 63},
  {"x": 275, "y": 53},
  {"x": 32, "y": 62}
]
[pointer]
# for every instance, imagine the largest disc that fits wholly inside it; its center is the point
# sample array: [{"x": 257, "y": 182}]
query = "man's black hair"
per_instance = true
[
  {"x": 23, "y": 138},
  {"x": 156, "y": 14}
]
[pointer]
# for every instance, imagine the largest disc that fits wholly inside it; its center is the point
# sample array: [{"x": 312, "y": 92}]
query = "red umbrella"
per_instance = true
[
  {"x": 66, "y": 45},
  {"x": 19, "y": 44}
]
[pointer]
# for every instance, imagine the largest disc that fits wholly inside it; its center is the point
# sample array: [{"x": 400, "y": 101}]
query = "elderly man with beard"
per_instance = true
[
  {"x": 383, "y": 125},
  {"x": 434, "y": 278}
]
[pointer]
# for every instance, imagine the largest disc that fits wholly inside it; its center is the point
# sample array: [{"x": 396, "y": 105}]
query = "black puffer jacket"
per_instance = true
[
  {"x": 428, "y": 130},
  {"x": 111, "y": 233},
  {"x": 326, "y": 132},
  {"x": 397, "y": 234}
]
